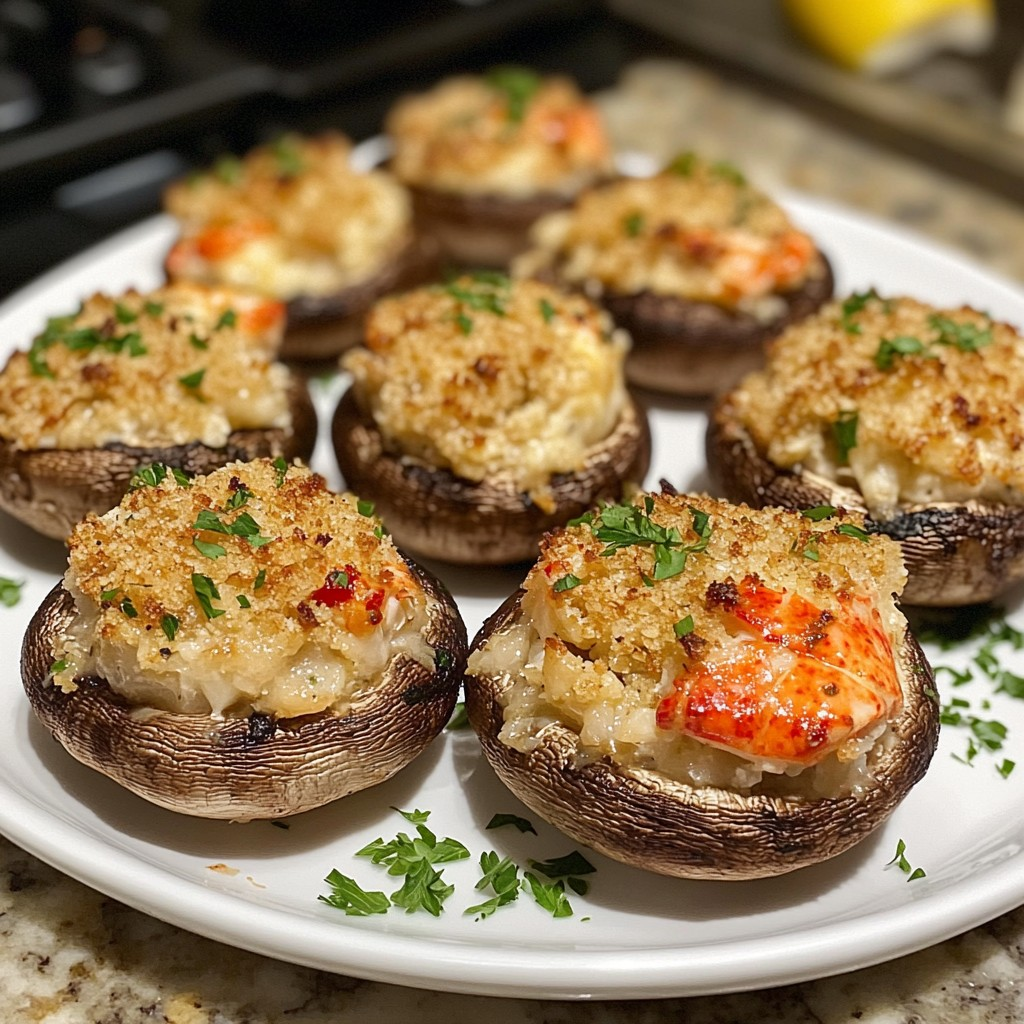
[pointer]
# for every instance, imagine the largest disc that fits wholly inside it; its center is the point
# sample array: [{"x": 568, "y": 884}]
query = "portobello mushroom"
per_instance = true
[
  {"x": 183, "y": 376},
  {"x": 699, "y": 267},
  {"x": 297, "y": 721},
  {"x": 484, "y": 156},
  {"x": 748, "y": 714},
  {"x": 484, "y": 413},
  {"x": 918, "y": 434}
]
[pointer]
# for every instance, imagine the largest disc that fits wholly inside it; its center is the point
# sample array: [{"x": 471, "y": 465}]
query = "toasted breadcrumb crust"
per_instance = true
[
  {"x": 935, "y": 396},
  {"x": 181, "y": 364},
  {"x": 697, "y": 231},
  {"x": 468, "y": 134},
  {"x": 492, "y": 379},
  {"x": 599, "y": 638},
  {"x": 294, "y": 610},
  {"x": 289, "y": 219}
]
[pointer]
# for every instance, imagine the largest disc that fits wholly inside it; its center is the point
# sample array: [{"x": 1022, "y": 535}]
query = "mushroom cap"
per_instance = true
[
  {"x": 321, "y": 327},
  {"x": 481, "y": 230},
  {"x": 51, "y": 489},
  {"x": 700, "y": 348},
  {"x": 956, "y": 552},
  {"x": 647, "y": 820},
  {"x": 437, "y": 514},
  {"x": 256, "y": 767}
]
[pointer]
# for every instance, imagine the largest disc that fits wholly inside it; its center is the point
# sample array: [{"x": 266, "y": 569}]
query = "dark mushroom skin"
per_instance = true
[
  {"x": 321, "y": 327},
  {"x": 481, "y": 231},
  {"x": 956, "y": 553},
  {"x": 51, "y": 489},
  {"x": 434, "y": 513},
  {"x": 646, "y": 820},
  {"x": 700, "y": 348},
  {"x": 258, "y": 767}
]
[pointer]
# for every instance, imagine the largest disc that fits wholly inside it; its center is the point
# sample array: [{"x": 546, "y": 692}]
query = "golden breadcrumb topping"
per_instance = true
[
  {"x": 709, "y": 641},
  {"x": 905, "y": 401},
  {"x": 252, "y": 588},
  {"x": 510, "y": 133},
  {"x": 181, "y": 364},
  {"x": 492, "y": 378},
  {"x": 698, "y": 231},
  {"x": 291, "y": 218}
]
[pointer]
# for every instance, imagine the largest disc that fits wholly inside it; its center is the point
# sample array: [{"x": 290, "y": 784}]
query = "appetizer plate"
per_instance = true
[{"x": 256, "y": 885}]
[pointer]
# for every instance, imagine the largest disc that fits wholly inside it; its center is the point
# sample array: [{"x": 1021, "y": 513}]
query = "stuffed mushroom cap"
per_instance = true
[
  {"x": 294, "y": 220},
  {"x": 705, "y": 690},
  {"x": 186, "y": 375},
  {"x": 243, "y": 645},
  {"x": 485, "y": 411},
  {"x": 907, "y": 411},
  {"x": 698, "y": 265}
]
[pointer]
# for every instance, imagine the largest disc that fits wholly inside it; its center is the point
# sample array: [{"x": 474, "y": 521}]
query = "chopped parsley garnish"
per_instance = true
[
  {"x": 169, "y": 624},
  {"x": 260, "y": 580},
  {"x": 208, "y": 549},
  {"x": 566, "y": 582},
  {"x": 153, "y": 309},
  {"x": 192, "y": 381},
  {"x": 633, "y": 224},
  {"x": 61, "y": 330},
  {"x": 844, "y": 432},
  {"x": 459, "y": 719},
  {"x": 228, "y": 169},
  {"x": 621, "y": 526},
  {"x": 206, "y": 593},
  {"x": 365, "y": 508},
  {"x": 485, "y": 291},
  {"x": 684, "y": 627},
  {"x": 243, "y": 601},
  {"x": 521, "y": 824},
  {"x": 124, "y": 315},
  {"x": 243, "y": 525},
  {"x": 288, "y": 156},
  {"x": 990, "y": 633},
  {"x": 902, "y": 345},
  {"x": 517, "y": 86},
  {"x": 849, "y": 530},
  {"x": 59, "y": 666},
  {"x": 347, "y": 895},
  {"x": 501, "y": 876},
  {"x": 10, "y": 591},
  {"x": 281, "y": 469},
  {"x": 155, "y": 473},
  {"x": 229, "y": 318},
  {"x": 727, "y": 171},
  {"x": 852, "y": 306},
  {"x": 200, "y": 343},
  {"x": 819, "y": 512},
  {"x": 125, "y": 604},
  {"x": 903, "y": 864},
  {"x": 547, "y": 311},
  {"x": 967, "y": 337},
  {"x": 683, "y": 164}
]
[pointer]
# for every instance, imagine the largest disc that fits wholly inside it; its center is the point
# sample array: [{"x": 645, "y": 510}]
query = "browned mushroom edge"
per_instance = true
[
  {"x": 434, "y": 513},
  {"x": 646, "y": 820},
  {"x": 321, "y": 327},
  {"x": 956, "y": 553},
  {"x": 700, "y": 348},
  {"x": 480, "y": 231},
  {"x": 255, "y": 767},
  {"x": 51, "y": 489}
]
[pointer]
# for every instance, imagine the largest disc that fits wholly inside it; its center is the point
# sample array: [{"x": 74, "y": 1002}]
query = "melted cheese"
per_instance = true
[
  {"x": 293, "y": 218},
  {"x": 492, "y": 379},
  {"x": 942, "y": 420},
  {"x": 181, "y": 364},
  {"x": 265, "y": 623},
  {"x": 465, "y": 135}
]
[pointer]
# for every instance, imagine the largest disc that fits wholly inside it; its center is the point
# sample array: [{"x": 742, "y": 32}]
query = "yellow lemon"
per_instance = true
[{"x": 883, "y": 36}]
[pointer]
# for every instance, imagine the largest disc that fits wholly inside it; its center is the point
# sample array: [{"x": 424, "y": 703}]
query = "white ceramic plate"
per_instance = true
[{"x": 635, "y": 934}]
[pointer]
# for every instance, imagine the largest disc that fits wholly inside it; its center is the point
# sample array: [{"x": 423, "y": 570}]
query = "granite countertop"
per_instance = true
[{"x": 74, "y": 955}]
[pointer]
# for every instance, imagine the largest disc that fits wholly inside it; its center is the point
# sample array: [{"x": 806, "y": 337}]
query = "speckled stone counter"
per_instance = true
[{"x": 71, "y": 955}]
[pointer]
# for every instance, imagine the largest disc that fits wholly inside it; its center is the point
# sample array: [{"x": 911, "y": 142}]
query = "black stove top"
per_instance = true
[{"x": 102, "y": 102}]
